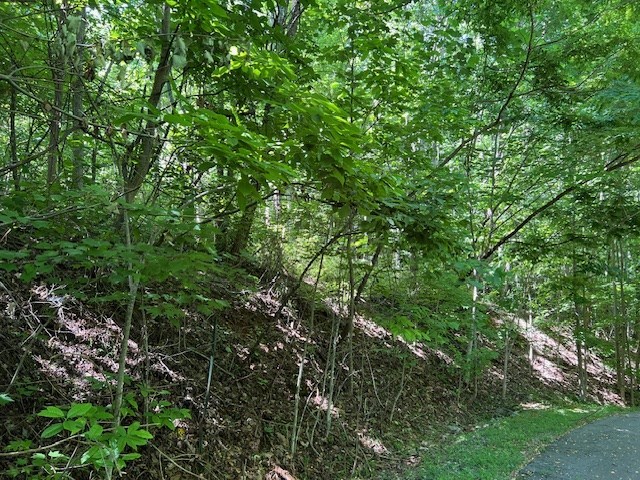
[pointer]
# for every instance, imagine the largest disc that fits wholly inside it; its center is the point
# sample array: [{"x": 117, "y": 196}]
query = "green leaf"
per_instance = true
[
  {"x": 94, "y": 432},
  {"x": 74, "y": 426},
  {"x": 56, "y": 455},
  {"x": 51, "y": 412},
  {"x": 79, "y": 410},
  {"x": 179, "y": 119},
  {"x": 5, "y": 398},
  {"x": 130, "y": 456},
  {"x": 18, "y": 445},
  {"x": 91, "y": 455},
  {"x": 134, "y": 429},
  {"x": 132, "y": 401},
  {"x": 52, "y": 430}
]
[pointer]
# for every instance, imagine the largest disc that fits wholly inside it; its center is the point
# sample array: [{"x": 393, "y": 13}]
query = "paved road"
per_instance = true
[{"x": 606, "y": 449}]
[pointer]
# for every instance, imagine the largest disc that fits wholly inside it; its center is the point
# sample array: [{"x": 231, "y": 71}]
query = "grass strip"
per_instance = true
[{"x": 499, "y": 448}]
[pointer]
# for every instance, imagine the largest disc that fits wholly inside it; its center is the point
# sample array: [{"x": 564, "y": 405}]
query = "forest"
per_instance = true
[{"x": 291, "y": 239}]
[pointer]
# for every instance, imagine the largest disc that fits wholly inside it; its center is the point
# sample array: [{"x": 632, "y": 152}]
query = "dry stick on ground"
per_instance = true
[
  {"x": 177, "y": 465},
  {"x": 373, "y": 380},
  {"x": 27, "y": 352},
  {"x": 399, "y": 394}
]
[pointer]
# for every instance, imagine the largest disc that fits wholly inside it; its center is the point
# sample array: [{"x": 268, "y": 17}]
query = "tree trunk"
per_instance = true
[
  {"x": 57, "y": 65},
  {"x": 505, "y": 366},
  {"x": 136, "y": 170},
  {"x": 13, "y": 140},
  {"x": 577, "y": 326},
  {"x": 617, "y": 324},
  {"x": 365, "y": 279},
  {"x": 77, "y": 95},
  {"x": 243, "y": 229}
]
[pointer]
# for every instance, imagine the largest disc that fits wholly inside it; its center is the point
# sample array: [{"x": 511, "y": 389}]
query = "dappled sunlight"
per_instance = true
[
  {"x": 84, "y": 348},
  {"x": 322, "y": 403},
  {"x": 534, "y": 406},
  {"x": 497, "y": 373},
  {"x": 576, "y": 410},
  {"x": 267, "y": 302},
  {"x": 555, "y": 362},
  {"x": 373, "y": 330},
  {"x": 548, "y": 371},
  {"x": 546, "y": 347},
  {"x": 294, "y": 331},
  {"x": 373, "y": 444}
]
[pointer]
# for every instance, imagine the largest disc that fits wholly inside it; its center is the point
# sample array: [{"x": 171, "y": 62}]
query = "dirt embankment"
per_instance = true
[{"x": 379, "y": 403}]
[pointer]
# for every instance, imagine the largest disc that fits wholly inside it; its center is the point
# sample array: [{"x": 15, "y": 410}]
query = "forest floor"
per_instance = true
[{"x": 393, "y": 402}]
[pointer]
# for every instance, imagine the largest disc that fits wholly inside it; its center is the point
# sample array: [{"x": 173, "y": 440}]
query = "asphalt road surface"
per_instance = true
[{"x": 605, "y": 449}]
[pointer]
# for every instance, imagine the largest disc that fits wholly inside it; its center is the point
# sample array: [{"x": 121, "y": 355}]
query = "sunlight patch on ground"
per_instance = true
[
  {"x": 497, "y": 373},
  {"x": 279, "y": 473},
  {"x": 534, "y": 406},
  {"x": 372, "y": 329},
  {"x": 548, "y": 371},
  {"x": 578, "y": 410},
  {"x": 373, "y": 444},
  {"x": 293, "y": 331},
  {"x": 322, "y": 403},
  {"x": 549, "y": 353},
  {"x": 84, "y": 348},
  {"x": 292, "y": 327}
]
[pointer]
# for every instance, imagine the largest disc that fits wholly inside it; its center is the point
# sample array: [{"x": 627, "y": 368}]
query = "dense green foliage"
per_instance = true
[{"x": 440, "y": 160}]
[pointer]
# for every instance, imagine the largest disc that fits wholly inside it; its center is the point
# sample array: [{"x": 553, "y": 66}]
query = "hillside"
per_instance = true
[
  {"x": 401, "y": 401},
  {"x": 312, "y": 239}
]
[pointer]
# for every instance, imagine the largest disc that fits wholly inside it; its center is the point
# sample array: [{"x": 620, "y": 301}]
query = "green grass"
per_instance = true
[{"x": 501, "y": 447}]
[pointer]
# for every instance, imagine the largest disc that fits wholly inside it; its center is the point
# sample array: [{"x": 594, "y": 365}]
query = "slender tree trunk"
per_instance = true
[
  {"x": 243, "y": 229},
  {"x": 365, "y": 279},
  {"x": 505, "y": 366},
  {"x": 133, "y": 283},
  {"x": 136, "y": 169},
  {"x": 77, "y": 97},
  {"x": 94, "y": 162},
  {"x": 13, "y": 140},
  {"x": 617, "y": 324},
  {"x": 296, "y": 408},
  {"x": 470, "y": 372},
  {"x": 578, "y": 332},
  {"x": 331, "y": 373},
  {"x": 55, "y": 119},
  {"x": 352, "y": 303},
  {"x": 530, "y": 351},
  {"x": 624, "y": 320}
]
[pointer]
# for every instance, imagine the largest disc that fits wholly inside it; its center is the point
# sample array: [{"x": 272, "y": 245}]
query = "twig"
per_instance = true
[
  {"x": 39, "y": 449},
  {"x": 373, "y": 380},
  {"x": 196, "y": 475}
]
